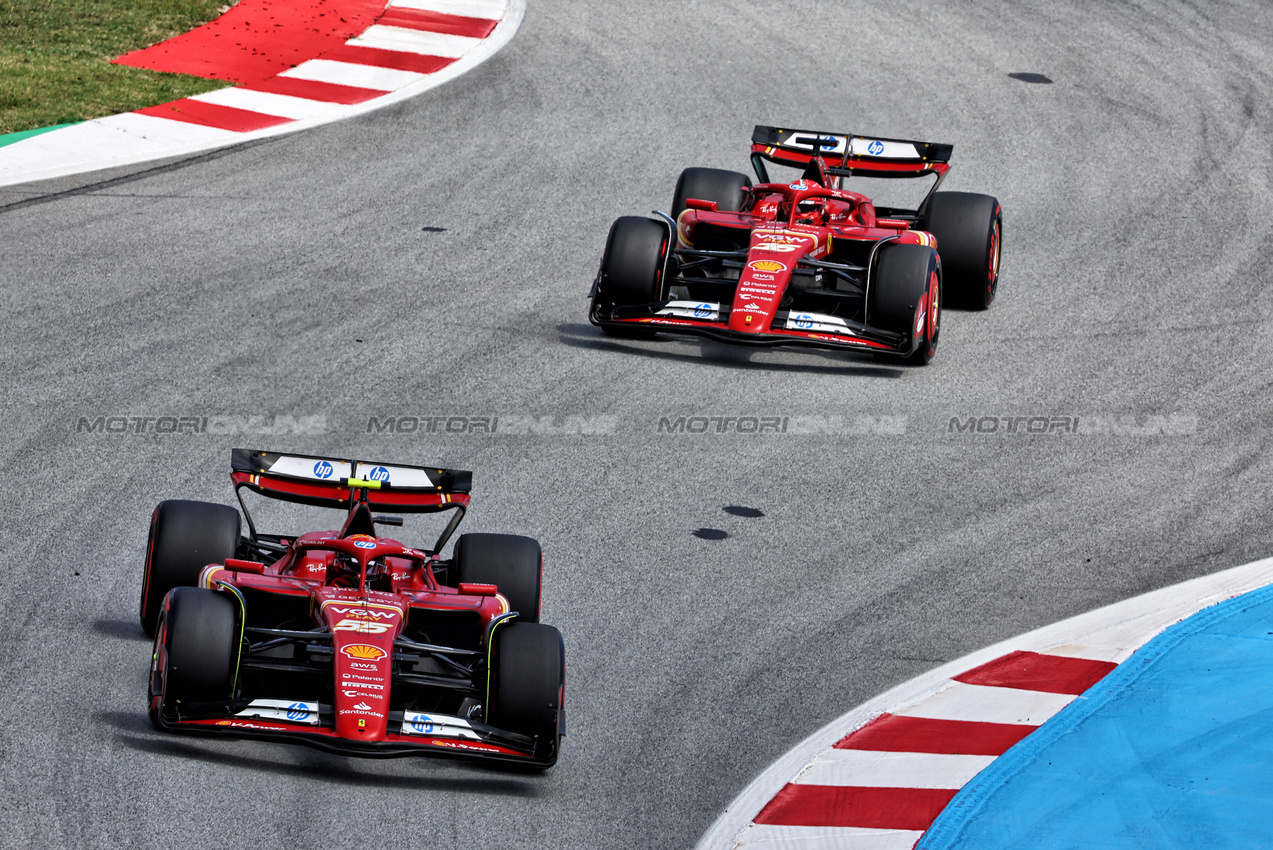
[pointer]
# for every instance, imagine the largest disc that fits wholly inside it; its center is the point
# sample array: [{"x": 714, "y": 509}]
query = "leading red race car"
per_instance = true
[
  {"x": 806, "y": 261},
  {"x": 347, "y": 640}
]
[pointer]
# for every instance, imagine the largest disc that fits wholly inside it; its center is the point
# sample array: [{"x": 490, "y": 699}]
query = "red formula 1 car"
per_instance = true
[
  {"x": 804, "y": 261},
  {"x": 346, "y": 640}
]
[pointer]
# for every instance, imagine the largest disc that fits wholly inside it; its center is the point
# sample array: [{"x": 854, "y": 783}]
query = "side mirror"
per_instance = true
[{"x": 236, "y": 565}]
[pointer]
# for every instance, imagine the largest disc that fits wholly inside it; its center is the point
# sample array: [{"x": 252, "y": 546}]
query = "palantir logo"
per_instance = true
[
  {"x": 323, "y": 469},
  {"x": 379, "y": 473},
  {"x": 297, "y": 711},
  {"x": 875, "y": 148}
]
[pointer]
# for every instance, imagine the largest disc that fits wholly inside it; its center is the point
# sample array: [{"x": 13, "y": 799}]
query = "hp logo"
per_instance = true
[
  {"x": 379, "y": 473},
  {"x": 323, "y": 469},
  {"x": 875, "y": 148}
]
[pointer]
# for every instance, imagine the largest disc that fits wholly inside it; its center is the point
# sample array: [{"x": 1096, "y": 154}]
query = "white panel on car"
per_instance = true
[
  {"x": 395, "y": 476},
  {"x": 881, "y": 148},
  {"x": 439, "y": 725},
  {"x": 805, "y": 141},
  {"x": 291, "y": 711},
  {"x": 817, "y": 323},
  {"x": 307, "y": 467},
  {"x": 704, "y": 311}
]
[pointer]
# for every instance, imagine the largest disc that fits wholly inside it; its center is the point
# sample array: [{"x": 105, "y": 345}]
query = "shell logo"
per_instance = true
[
  {"x": 766, "y": 266},
  {"x": 363, "y": 651}
]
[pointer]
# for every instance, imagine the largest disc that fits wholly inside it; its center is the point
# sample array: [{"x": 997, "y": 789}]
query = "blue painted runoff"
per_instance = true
[{"x": 1173, "y": 749}]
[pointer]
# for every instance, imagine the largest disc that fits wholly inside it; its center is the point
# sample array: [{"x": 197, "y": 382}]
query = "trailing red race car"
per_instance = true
[
  {"x": 805, "y": 261},
  {"x": 347, "y": 640}
]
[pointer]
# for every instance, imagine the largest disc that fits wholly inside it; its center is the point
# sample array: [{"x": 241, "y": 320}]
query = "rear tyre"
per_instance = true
[
  {"x": 969, "y": 231},
  {"x": 511, "y": 562},
  {"x": 726, "y": 188},
  {"x": 184, "y": 538},
  {"x": 906, "y": 298},
  {"x": 529, "y": 684},
  {"x": 199, "y": 643}
]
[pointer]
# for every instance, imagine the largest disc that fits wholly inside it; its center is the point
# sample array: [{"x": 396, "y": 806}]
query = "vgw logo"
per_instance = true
[
  {"x": 379, "y": 473},
  {"x": 323, "y": 469}
]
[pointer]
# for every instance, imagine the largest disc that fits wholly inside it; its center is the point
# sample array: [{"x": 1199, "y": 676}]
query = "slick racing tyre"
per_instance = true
[
  {"x": 196, "y": 650},
  {"x": 632, "y": 268},
  {"x": 905, "y": 297},
  {"x": 184, "y": 538},
  {"x": 726, "y": 188},
  {"x": 969, "y": 231},
  {"x": 512, "y": 563},
  {"x": 529, "y": 682}
]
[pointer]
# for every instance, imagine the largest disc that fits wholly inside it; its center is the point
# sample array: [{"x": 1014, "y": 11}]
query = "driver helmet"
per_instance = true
[{"x": 809, "y": 210}]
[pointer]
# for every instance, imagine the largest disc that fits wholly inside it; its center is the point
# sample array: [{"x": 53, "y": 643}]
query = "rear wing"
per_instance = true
[
  {"x": 845, "y": 154},
  {"x": 329, "y": 482}
]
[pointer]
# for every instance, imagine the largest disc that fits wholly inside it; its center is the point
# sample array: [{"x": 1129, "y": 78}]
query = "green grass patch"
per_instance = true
[{"x": 55, "y": 58}]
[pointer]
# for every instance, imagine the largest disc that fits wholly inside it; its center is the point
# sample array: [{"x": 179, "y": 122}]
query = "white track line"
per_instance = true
[
  {"x": 491, "y": 10},
  {"x": 266, "y": 103},
  {"x": 882, "y": 769},
  {"x": 760, "y": 837},
  {"x": 415, "y": 41},
  {"x": 988, "y": 705},
  {"x": 349, "y": 74}
]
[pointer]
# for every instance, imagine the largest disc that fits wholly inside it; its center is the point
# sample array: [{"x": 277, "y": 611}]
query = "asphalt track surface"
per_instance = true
[{"x": 1136, "y": 285}]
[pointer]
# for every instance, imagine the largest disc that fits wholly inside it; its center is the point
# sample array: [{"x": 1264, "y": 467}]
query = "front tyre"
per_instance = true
[
  {"x": 196, "y": 655},
  {"x": 905, "y": 298},
  {"x": 529, "y": 684},
  {"x": 969, "y": 231}
]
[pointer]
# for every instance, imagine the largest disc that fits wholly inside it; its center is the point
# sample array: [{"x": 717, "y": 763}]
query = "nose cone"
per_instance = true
[
  {"x": 771, "y": 259},
  {"x": 363, "y": 632}
]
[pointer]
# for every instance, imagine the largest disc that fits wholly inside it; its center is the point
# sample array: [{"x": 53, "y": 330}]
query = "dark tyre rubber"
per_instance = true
[
  {"x": 529, "y": 682},
  {"x": 200, "y": 641},
  {"x": 512, "y": 563},
  {"x": 184, "y": 538},
  {"x": 726, "y": 188},
  {"x": 632, "y": 269},
  {"x": 906, "y": 297},
  {"x": 969, "y": 231}
]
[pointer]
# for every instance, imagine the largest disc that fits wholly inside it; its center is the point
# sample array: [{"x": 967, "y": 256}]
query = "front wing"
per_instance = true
[
  {"x": 787, "y": 327},
  {"x": 410, "y": 733}
]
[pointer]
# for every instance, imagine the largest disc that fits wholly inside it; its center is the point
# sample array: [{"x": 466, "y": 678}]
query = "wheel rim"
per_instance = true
[
  {"x": 992, "y": 276},
  {"x": 934, "y": 308}
]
